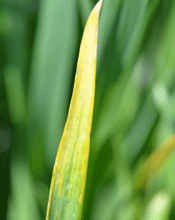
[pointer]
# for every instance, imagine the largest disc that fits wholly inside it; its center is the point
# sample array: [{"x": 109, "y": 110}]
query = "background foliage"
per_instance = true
[{"x": 134, "y": 104}]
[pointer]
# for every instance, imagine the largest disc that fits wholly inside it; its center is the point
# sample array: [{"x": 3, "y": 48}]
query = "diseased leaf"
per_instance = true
[{"x": 69, "y": 174}]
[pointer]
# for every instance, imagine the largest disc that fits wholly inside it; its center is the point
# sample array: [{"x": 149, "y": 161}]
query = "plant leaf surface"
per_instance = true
[
  {"x": 69, "y": 173},
  {"x": 154, "y": 162}
]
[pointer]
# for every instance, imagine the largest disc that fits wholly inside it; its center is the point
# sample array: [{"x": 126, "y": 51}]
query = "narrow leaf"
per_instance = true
[
  {"x": 153, "y": 163},
  {"x": 69, "y": 173},
  {"x": 54, "y": 51}
]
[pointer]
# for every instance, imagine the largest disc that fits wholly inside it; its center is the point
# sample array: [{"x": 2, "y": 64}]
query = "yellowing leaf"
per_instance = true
[
  {"x": 69, "y": 173},
  {"x": 153, "y": 163}
]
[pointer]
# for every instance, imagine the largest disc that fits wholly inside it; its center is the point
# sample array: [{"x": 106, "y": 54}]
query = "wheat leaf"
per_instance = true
[{"x": 69, "y": 173}]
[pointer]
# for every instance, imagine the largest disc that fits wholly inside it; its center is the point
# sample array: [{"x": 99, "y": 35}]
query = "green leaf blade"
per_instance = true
[{"x": 69, "y": 174}]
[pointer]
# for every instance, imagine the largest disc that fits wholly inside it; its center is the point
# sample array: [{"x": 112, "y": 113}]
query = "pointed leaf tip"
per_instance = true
[
  {"x": 69, "y": 173},
  {"x": 99, "y": 5}
]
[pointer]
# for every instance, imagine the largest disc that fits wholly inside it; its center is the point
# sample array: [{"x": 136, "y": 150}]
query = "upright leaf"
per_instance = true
[
  {"x": 50, "y": 78},
  {"x": 69, "y": 174}
]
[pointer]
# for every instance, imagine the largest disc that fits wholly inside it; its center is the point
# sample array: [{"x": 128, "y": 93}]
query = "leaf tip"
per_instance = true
[{"x": 99, "y": 5}]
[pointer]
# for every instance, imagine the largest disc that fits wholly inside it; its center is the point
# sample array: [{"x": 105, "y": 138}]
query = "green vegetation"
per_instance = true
[
  {"x": 134, "y": 110},
  {"x": 70, "y": 169}
]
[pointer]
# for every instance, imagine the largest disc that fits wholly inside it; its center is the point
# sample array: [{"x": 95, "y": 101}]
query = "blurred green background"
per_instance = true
[{"x": 134, "y": 104}]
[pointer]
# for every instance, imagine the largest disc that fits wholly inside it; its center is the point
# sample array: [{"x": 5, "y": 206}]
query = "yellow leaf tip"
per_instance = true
[{"x": 98, "y": 5}]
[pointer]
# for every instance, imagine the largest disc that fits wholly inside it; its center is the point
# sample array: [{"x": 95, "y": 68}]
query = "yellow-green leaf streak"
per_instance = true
[
  {"x": 69, "y": 173},
  {"x": 153, "y": 163}
]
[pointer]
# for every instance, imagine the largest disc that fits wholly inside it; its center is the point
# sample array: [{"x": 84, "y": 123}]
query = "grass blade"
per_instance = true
[
  {"x": 22, "y": 202},
  {"x": 69, "y": 174},
  {"x": 154, "y": 162},
  {"x": 55, "y": 47}
]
